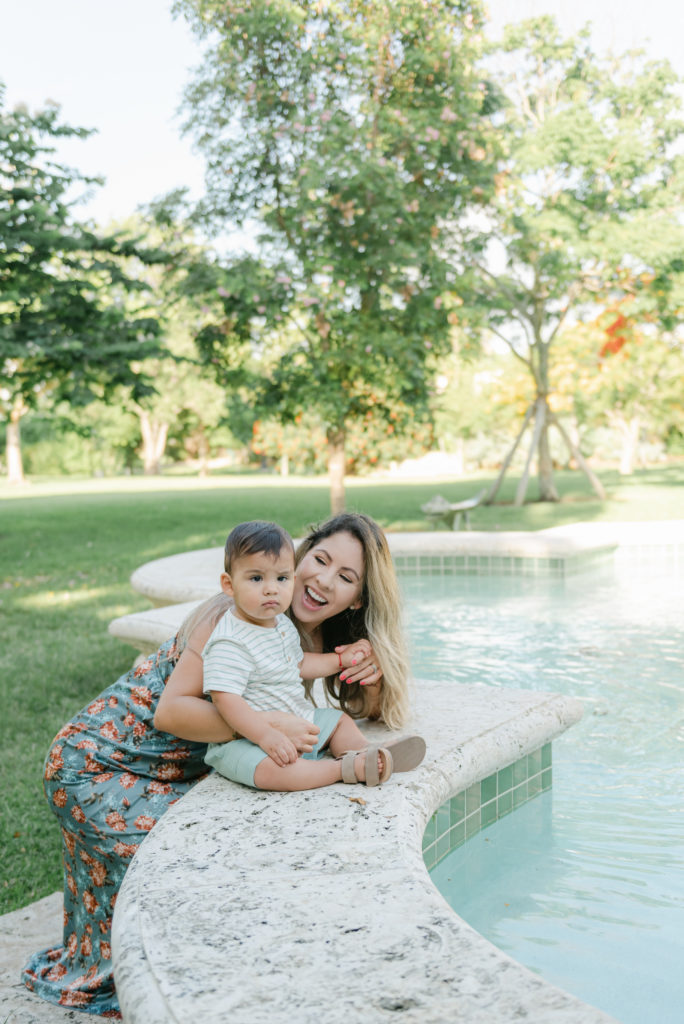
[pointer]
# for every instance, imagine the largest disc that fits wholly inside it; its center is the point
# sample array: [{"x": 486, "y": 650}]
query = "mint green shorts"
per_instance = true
[{"x": 238, "y": 759}]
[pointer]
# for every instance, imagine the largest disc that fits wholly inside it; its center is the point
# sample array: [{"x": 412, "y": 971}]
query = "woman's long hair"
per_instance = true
[{"x": 378, "y": 619}]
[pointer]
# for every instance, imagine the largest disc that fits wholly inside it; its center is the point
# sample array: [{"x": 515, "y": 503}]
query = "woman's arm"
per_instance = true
[
  {"x": 253, "y": 726},
  {"x": 183, "y": 711}
]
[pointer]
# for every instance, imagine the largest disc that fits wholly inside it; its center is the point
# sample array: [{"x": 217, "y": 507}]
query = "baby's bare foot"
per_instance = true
[{"x": 360, "y": 765}]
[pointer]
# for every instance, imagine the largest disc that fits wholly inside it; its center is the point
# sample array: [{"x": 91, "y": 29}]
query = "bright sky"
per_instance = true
[{"x": 120, "y": 67}]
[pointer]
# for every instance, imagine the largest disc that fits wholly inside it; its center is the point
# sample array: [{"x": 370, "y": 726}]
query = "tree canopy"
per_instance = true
[
  {"x": 587, "y": 206},
  {"x": 63, "y": 324},
  {"x": 347, "y": 132}
]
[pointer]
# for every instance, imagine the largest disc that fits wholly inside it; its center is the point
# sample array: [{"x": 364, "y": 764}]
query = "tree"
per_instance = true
[
  {"x": 346, "y": 131},
  {"x": 61, "y": 331},
  {"x": 184, "y": 387},
  {"x": 590, "y": 191},
  {"x": 626, "y": 374}
]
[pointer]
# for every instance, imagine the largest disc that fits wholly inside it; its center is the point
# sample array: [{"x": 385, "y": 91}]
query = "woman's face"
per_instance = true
[{"x": 329, "y": 579}]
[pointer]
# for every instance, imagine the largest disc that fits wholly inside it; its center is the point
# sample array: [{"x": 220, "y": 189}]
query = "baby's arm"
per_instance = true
[
  {"x": 312, "y": 666},
  {"x": 251, "y": 724}
]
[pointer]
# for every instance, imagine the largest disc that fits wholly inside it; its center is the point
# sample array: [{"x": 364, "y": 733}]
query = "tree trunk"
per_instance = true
[
  {"x": 507, "y": 461},
  {"x": 203, "y": 452},
  {"x": 547, "y": 488},
  {"x": 154, "y": 436},
  {"x": 539, "y": 421},
  {"x": 336, "y": 469},
  {"x": 629, "y": 433},
  {"x": 581, "y": 461},
  {"x": 15, "y": 464}
]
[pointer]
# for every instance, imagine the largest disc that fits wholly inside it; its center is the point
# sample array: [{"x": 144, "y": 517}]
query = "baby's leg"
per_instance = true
[
  {"x": 347, "y": 736},
  {"x": 304, "y": 774}
]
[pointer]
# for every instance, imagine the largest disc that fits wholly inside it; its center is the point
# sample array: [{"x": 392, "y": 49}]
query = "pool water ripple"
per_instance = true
[{"x": 584, "y": 883}]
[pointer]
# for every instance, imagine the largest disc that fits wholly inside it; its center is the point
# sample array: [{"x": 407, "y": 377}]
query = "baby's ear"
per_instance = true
[{"x": 226, "y": 584}]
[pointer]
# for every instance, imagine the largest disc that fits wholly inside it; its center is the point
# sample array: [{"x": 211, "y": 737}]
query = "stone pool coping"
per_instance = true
[
  {"x": 266, "y": 906},
  {"x": 193, "y": 575},
  {"x": 269, "y": 906}
]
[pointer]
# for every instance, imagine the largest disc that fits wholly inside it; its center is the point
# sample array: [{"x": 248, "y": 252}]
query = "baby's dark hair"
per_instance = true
[{"x": 254, "y": 538}]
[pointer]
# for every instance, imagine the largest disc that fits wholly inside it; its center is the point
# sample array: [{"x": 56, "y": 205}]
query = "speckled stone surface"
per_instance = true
[{"x": 251, "y": 906}]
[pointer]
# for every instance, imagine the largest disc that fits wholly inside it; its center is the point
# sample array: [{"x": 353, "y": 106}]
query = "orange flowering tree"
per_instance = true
[{"x": 590, "y": 185}]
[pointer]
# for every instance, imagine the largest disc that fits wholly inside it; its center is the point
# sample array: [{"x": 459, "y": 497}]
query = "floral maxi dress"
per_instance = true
[{"x": 109, "y": 775}]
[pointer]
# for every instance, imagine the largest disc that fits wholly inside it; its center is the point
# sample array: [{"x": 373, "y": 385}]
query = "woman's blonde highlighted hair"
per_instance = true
[{"x": 379, "y": 619}]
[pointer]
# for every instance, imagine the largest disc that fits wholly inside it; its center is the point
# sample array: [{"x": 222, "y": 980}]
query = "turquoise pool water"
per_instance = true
[{"x": 583, "y": 884}]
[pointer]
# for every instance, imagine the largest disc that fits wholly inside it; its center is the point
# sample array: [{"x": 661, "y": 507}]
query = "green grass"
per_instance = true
[{"x": 67, "y": 549}]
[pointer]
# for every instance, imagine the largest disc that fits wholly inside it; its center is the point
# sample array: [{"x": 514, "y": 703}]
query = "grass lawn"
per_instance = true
[{"x": 67, "y": 549}]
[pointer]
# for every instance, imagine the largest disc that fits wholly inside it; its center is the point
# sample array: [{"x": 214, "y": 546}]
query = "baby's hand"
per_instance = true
[{"x": 279, "y": 748}]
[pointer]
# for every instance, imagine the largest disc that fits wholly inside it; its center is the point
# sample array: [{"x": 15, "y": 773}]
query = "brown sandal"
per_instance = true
[{"x": 401, "y": 756}]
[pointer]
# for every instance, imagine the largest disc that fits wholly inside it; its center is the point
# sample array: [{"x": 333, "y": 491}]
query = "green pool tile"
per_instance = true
[
  {"x": 520, "y": 771},
  {"x": 488, "y": 814},
  {"x": 467, "y": 813},
  {"x": 430, "y": 831},
  {"x": 520, "y": 795},
  {"x": 442, "y": 846},
  {"x": 473, "y": 798},
  {"x": 473, "y": 824},
  {"x": 488, "y": 788},
  {"x": 504, "y": 804},
  {"x": 457, "y": 804},
  {"x": 504, "y": 779},
  {"x": 443, "y": 820},
  {"x": 435, "y": 560},
  {"x": 458, "y": 835}
]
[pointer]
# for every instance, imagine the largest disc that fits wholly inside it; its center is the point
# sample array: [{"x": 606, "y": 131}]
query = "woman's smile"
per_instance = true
[{"x": 328, "y": 579}]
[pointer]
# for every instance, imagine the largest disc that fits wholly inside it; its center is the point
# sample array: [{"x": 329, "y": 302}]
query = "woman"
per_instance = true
[{"x": 137, "y": 748}]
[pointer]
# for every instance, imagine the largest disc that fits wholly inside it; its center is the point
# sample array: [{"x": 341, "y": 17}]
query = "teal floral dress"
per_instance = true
[{"x": 109, "y": 776}]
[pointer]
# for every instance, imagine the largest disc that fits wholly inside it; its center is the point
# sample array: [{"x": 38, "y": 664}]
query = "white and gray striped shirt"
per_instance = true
[{"x": 258, "y": 663}]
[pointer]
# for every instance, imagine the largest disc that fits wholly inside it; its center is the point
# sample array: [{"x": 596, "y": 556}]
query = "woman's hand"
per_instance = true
[
  {"x": 299, "y": 731},
  {"x": 366, "y": 671}
]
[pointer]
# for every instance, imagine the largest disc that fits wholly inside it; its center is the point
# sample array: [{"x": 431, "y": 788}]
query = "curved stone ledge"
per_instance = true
[
  {"x": 193, "y": 575},
  {"x": 256, "y": 906}
]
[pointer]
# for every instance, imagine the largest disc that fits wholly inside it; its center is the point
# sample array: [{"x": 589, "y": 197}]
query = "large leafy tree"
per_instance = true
[
  {"x": 346, "y": 132},
  {"x": 63, "y": 330},
  {"x": 587, "y": 209}
]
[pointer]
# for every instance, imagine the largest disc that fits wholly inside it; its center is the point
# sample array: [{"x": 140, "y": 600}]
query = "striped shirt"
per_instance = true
[{"x": 259, "y": 663}]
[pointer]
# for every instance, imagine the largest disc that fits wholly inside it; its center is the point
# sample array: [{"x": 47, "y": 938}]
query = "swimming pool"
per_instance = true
[{"x": 583, "y": 884}]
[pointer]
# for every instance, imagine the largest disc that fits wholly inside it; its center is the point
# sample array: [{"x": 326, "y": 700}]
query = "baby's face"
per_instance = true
[{"x": 261, "y": 586}]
